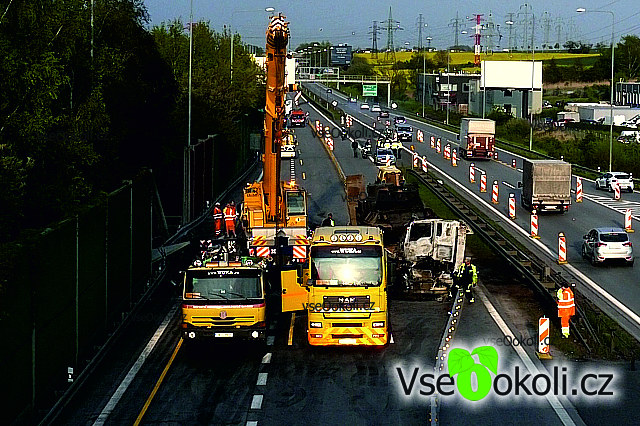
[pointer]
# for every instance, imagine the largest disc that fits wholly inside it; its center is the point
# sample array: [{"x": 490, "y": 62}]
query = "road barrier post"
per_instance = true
[
  {"x": 513, "y": 163},
  {"x": 438, "y": 150},
  {"x": 454, "y": 158},
  {"x": 512, "y": 206},
  {"x": 424, "y": 164},
  {"x": 616, "y": 191},
  {"x": 416, "y": 159},
  {"x": 432, "y": 142},
  {"x": 472, "y": 173},
  {"x": 578, "y": 189},
  {"x": 534, "y": 225},
  {"x": 562, "y": 249},
  {"x": 483, "y": 182},
  {"x": 543, "y": 339},
  {"x": 447, "y": 152},
  {"x": 627, "y": 221},
  {"x": 495, "y": 155},
  {"x": 494, "y": 193}
]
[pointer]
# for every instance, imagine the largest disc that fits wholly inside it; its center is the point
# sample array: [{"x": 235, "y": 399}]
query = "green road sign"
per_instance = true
[{"x": 369, "y": 90}]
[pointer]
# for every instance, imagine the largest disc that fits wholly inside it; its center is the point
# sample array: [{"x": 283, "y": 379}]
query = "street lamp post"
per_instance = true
[
  {"x": 613, "y": 20},
  {"x": 533, "y": 67},
  {"x": 268, "y": 9}
]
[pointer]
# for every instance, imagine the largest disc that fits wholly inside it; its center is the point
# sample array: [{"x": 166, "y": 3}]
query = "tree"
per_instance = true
[
  {"x": 552, "y": 73},
  {"x": 441, "y": 58},
  {"x": 360, "y": 66},
  {"x": 627, "y": 59}
]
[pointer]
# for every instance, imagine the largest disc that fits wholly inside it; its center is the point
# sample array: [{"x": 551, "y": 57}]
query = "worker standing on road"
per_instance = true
[
  {"x": 230, "y": 219},
  {"x": 217, "y": 220},
  {"x": 566, "y": 307},
  {"x": 328, "y": 221},
  {"x": 355, "y": 145},
  {"x": 467, "y": 278}
]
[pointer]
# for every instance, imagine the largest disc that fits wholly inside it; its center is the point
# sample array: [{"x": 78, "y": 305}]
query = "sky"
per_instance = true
[{"x": 351, "y": 21}]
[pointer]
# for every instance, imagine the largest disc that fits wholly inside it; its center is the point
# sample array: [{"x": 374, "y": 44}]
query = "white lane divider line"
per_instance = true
[
  {"x": 508, "y": 185},
  {"x": 266, "y": 359},
  {"x": 561, "y": 412},
  {"x": 252, "y": 423},
  {"x": 262, "y": 379},
  {"x": 256, "y": 402},
  {"x": 122, "y": 388}
]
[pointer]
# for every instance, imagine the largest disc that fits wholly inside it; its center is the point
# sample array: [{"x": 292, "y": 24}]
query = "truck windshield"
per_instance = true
[
  {"x": 295, "y": 203},
  {"x": 223, "y": 287},
  {"x": 420, "y": 230},
  {"x": 346, "y": 266}
]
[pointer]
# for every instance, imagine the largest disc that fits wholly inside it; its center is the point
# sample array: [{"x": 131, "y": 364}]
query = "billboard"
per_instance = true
[
  {"x": 511, "y": 74},
  {"x": 369, "y": 90},
  {"x": 340, "y": 54}
]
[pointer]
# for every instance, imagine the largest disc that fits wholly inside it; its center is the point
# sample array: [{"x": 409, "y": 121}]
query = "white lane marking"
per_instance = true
[
  {"x": 553, "y": 255},
  {"x": 252, "y": 423},
  {"x": 262, "y": 379},
  {"x": 617, "y": 206},
  {"x": 508, "y": 185},
  {"x": 270, "y": 340},
  {"x": 266, "y": 359},
  {"x": 392, "y": 339},
  {"x": 256, "y": 402},
  {"x": 115, "y": 398},
  {"x": 561, "y": 412}
]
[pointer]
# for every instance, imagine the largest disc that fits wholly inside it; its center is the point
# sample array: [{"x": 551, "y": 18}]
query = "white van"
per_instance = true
[{"x": 628, "y": 136}]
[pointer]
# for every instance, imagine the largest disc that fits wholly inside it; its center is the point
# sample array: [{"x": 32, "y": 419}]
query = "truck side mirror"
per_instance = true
[
  {"x": 519, "y": 184},
  {"x": 299, "y": 273}
]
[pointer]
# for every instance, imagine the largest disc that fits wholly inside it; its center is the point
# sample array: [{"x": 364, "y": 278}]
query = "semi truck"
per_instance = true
[
  {"x": 477, "y": 138},
  {"x": 546, "y": 185}
]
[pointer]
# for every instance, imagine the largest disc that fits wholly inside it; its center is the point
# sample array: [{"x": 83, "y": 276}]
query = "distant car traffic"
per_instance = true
[
  {"x": 399, "y": 120},
  {"x": 404, "y": 133},
  {"x": 384, "y": 154},
  {"x": 353, "y": 100},
  {"x": 606, "y": 180},
  {"x": 364, "y": 106},
  {"x": 546, "y": 104},
  {"x": 383, "y": 114},
  {"x": 376, "y": 108},
  {"x": 602, "y": 244}
]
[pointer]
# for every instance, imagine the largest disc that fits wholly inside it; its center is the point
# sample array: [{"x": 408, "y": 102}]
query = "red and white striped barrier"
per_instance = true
[
  {"x": 578, "y": 189},
  {"x": 562, "y": 249},
  {"x": 513, "y": 163},
  {"x": 424, "y": 164},
  {"x": 262, "y": 251},
  {"x": 616, "y": 191},
  {"x": 472, "y": 173},
  {"x": 534, "y": 225},
  {"x": 494, "y": 192},
  {"x": 454, "y": 158},
  {"x": 420, "y": 136},
  {"x": 299, "y": 252},
  {"x": 330, "y": 144},
  {"x": 512, "y": 206},
  {"x": 495, "y": 155},
  {"x": 543, "y": 336},
  {"x": 438, "y": 150},
  {"x": 447, "y": 152},
  {"x": 627, "y": 221},
  {"x": 432, "y": 141},
  {"x": 483, "y": 182},
  {"x": 416, "y": 159},
  {"x": 388, "y": 161}
]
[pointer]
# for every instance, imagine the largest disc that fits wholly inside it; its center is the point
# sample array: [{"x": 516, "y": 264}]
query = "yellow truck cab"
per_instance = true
[
  {"x": 347, "y": 289},
  {"x": 390, "y": 174},
  {"x": 224, "y": 300}
]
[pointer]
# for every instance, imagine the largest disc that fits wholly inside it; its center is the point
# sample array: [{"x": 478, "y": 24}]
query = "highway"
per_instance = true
[{"x": 598, "y": 209}]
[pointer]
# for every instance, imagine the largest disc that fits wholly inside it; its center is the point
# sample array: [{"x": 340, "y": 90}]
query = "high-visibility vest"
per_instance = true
[
  {"x": 217, "y": 218},
  {"x": 566, "y": 304},
  {"x": 474, "y": 273},
  {"x": 229, "y": 214}
]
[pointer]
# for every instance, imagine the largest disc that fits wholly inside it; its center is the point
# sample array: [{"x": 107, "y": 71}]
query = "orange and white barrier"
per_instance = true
[
  {"x": 534, "y": 225},
  {"x": 483, "y": 182},
  {"x": 627, "y": 221},
  {"x": 543, "y": 335},
  {"x": 424, "y": 164},
  {"x": 494, "y": 192},
  {"x": 454, "y": 158},
  {"x": 438, "y": 146},
  {"x": 330, "y": 144},
  {"x": 512, "y": 206},
  {"x": 562, "y": 249},
  {"x": 262, "y": 251},
  {"x": 472, "y": 173},
  {"x": 447, "y": 152},
  {"x": 432, "y": 141},
  {"x": 388, "y": 161},
  {"x": 513, "y": 163},
  {"x": 616, "y": 191},
  {"x": 420, "y": 136},
  {"x": 578, "y": 189},
  {"x": 299, "y": 252},
  {"x": 416, "y": 159}
]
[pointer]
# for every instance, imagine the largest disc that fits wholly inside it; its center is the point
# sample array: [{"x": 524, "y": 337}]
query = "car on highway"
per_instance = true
[
  {"x": 404, "y": 133},
  {"x": 546, "y": 104},
  {"x": 288, "y": 151},
  {"x": 384, "y": 154},
  {"x": 399, "y": 120},
  {"x": 602, "y": 244},
  {"x": 383, "y": 114},
  {"x": 353, "y": 100},
  {"x": 606, "y": 180},
  {"x": 376, "y": 108},
  {"x": 364, "y": 106}
]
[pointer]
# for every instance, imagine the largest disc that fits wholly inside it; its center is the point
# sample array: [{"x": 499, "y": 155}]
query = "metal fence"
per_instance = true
[{"x": 76, "y": 284}]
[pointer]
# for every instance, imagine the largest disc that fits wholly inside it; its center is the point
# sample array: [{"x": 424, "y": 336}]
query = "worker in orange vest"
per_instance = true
[
  {"x": 566, "y": 307},
  {"x": 217, "y": 220},
  {"x": 230, "y": 219}
]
